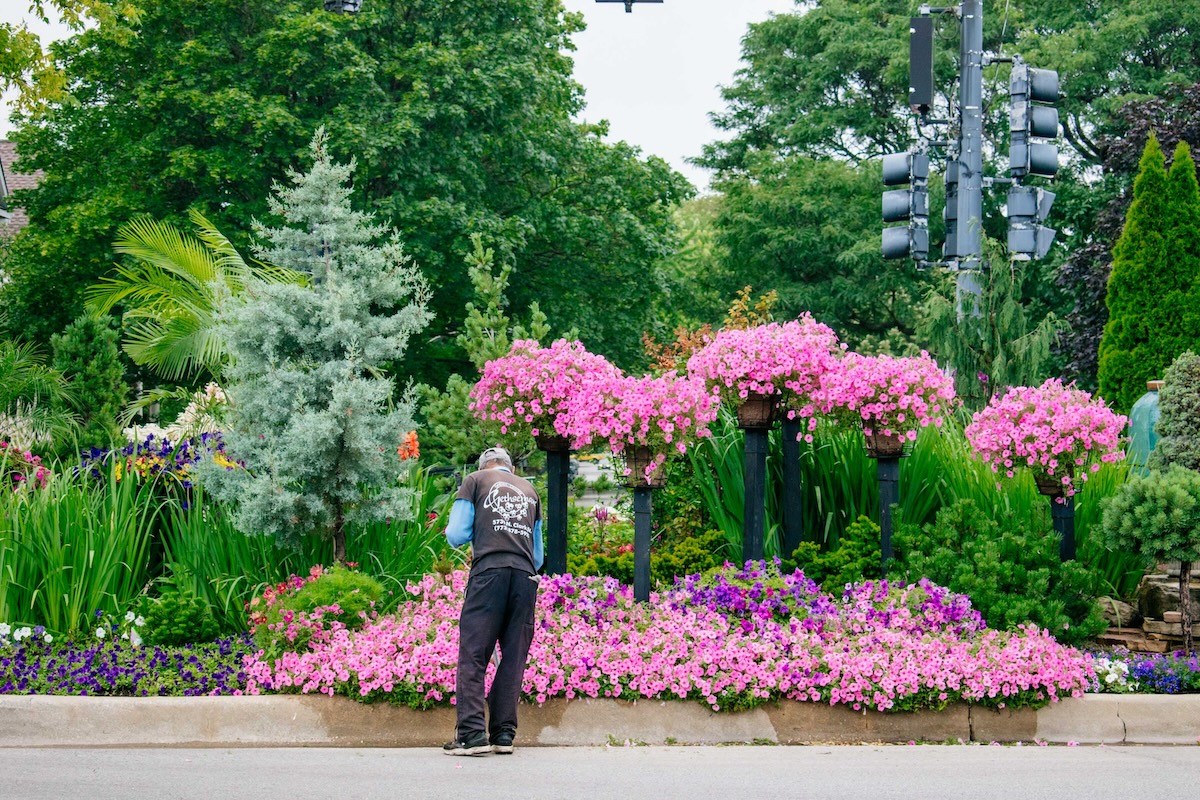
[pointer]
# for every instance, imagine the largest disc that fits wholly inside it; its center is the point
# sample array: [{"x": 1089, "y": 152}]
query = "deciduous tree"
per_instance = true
[{"x": 460, "y": 116}]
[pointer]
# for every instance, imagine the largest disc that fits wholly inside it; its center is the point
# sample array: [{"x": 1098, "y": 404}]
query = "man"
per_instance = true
[{"x": 500, "y": 514}]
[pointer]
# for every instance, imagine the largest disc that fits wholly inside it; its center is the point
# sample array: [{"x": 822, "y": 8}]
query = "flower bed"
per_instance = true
[
  {"x": 112, "y": 666},
  {"x": 885, "y": 647}
]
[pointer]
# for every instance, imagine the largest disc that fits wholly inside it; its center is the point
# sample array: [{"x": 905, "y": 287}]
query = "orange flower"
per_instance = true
[{"x": 410, "y": 447}]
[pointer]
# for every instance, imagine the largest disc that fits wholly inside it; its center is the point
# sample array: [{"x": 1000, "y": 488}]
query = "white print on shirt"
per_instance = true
[{"x": 510, "y": 506}]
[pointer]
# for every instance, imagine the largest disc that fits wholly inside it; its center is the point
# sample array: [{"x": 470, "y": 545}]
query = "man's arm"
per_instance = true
[
  {"x": 538, "y": 553},
  {"x": 460, "y": 529}
]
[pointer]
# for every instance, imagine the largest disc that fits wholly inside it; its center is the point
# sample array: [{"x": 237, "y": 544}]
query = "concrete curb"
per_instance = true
[{"x": 312, "y": 721}]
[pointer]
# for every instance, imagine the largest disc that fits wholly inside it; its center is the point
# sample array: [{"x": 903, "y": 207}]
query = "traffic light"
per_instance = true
[
  {"x": 1027, "y": 87},
  {"x": 1028, "y": 207},
  {"x": 950, "y": 212},
  {"x": 920, "y": 64},
  {"x": 910, "y": 204}
]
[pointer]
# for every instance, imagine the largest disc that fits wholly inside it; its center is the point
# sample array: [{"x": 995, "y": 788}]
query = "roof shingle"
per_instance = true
[{"x": 14, "y": 181}]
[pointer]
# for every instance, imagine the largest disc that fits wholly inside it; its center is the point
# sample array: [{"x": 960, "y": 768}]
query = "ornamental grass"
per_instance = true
[{"x": 732, "y": 641}]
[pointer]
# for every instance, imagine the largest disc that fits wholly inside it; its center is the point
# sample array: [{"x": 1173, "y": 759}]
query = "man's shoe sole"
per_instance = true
[
  {"x": 477, "y": 750},
  {"x": 502, "y": 749}
]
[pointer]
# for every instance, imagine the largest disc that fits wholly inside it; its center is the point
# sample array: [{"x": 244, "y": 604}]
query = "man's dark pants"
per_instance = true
[{"x": 499, "y": 606}]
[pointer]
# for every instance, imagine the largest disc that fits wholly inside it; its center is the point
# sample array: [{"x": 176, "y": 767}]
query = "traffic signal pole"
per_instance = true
[
  {"x": 1033, "y": 125},
  {"x": 969, "y": 247}
]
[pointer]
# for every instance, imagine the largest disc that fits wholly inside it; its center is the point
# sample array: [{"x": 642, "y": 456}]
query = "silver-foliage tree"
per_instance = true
[{"x": 315, "y": 418}]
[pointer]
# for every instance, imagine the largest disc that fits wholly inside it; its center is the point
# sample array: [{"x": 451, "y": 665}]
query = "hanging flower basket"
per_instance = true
[
  {"x": 1059, "y": 433},
  {"x": 643, "y": 420},
  {"x": 757, "y": 411},
  {"x": 760, "y": 369},
  {"x": 884, "y": 444},
  {"x": 530, "y": 390},
  {"x": 646, "y": 468},
  {"x": 890, "y": 398}
]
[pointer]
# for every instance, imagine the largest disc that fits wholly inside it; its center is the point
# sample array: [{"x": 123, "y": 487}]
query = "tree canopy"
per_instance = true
[
  {"x": 829, "y": 83},
  {"x": 459, "y": 116}
]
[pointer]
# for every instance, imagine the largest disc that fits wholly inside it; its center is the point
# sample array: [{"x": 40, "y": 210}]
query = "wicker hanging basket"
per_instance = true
[
  {"x": 1049, "y": 485},
  {"x": 552, "y": 442},
  {"x": 758, "y": 411},
  {"x": 884, "y": 446},
  {"x": 638, "y": 459}
]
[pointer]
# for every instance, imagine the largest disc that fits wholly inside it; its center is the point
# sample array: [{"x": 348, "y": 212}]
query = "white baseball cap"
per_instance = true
[{"x": 495, "y": 454}]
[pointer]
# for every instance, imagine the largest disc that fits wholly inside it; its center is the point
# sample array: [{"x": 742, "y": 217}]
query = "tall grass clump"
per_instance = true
[
  {"x": 206, "y": 556},
  {"x": 73, "y": 548}
]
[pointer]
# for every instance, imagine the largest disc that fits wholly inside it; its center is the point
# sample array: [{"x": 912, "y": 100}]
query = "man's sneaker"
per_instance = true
[
  {"x": 474, "y": 745},
  {"x": 502, "y": 742}
]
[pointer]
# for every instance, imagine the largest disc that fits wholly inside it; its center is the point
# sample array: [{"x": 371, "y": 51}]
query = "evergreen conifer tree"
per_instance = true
[
  {"x": 1184, "y": 243},
  {"x": 1178, "y": 424},
  {"x": 86, "y": 354},
  {"x": 1151, "y": 278},
  {"x": 315, "y": 418}
]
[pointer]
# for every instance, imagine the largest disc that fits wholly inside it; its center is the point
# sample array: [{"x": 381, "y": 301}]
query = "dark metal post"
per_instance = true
[
  {"x": 888, "y": 469},
  {"x": 1063, "y": 515},
  {"x": 754, "y": 516},
  {"x": 641, "y": 542},
  {"x": 557, "y": 462},
  {"x": 793, "y": 502}
]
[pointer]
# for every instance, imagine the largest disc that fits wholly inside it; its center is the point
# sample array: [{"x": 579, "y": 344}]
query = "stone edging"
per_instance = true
[{"x": 285, "y": 721}]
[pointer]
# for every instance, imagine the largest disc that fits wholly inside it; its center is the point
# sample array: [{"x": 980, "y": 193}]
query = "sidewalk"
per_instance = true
[{"x": 311, "y": 721}]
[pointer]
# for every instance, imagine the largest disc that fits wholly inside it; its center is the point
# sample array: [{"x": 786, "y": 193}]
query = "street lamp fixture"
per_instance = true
[
  {"x": 629, "y": 3},
  {"x": 343, "y": 6}
]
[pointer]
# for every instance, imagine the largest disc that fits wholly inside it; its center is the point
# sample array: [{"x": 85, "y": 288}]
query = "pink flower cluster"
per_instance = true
[
  {"x": 788, "y": 359},
  {"x": 593, "y": 640},
  {"x": 664, "y": 413},
  {"x": 529, "y": 390},
  {"x": 22, "y": 468},
  {"x": 889, "y": 395},
  {"x": 1052, "y": 429}
]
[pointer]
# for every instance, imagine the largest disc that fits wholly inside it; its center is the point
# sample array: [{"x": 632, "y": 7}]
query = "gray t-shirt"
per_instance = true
[{"x": 506, "y": 508}]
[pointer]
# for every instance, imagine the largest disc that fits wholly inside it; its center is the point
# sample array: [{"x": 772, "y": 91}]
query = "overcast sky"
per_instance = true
[{"x": 655, "y": 74}]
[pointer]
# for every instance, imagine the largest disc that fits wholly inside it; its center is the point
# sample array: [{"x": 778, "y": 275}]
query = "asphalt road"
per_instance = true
[{"x": 598, "y": 773}]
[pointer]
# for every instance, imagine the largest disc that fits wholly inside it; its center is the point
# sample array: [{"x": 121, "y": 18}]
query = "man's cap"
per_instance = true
[{"x": 495, "y": 454}]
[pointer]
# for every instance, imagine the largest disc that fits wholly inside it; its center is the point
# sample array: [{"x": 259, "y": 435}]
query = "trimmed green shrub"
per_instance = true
[
  {"x": 1012, "y": 573},
  {"x": 1158, "y": 515},
  {"x": 685, "y": 556},
  {"x": 355, "y": 595},
  {"x": 176, "y": 618},
  {"x": 857, "y": 557},
  {"x": 86, "y": 354},
  {"x": 688, "y": 555}
]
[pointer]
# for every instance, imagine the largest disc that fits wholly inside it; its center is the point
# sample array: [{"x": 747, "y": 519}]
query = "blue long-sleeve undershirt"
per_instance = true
[{"x": 460, "y": 529}]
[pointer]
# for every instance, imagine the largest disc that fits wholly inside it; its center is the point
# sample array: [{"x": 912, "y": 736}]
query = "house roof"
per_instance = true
[{"x": 10, "y": 182}]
